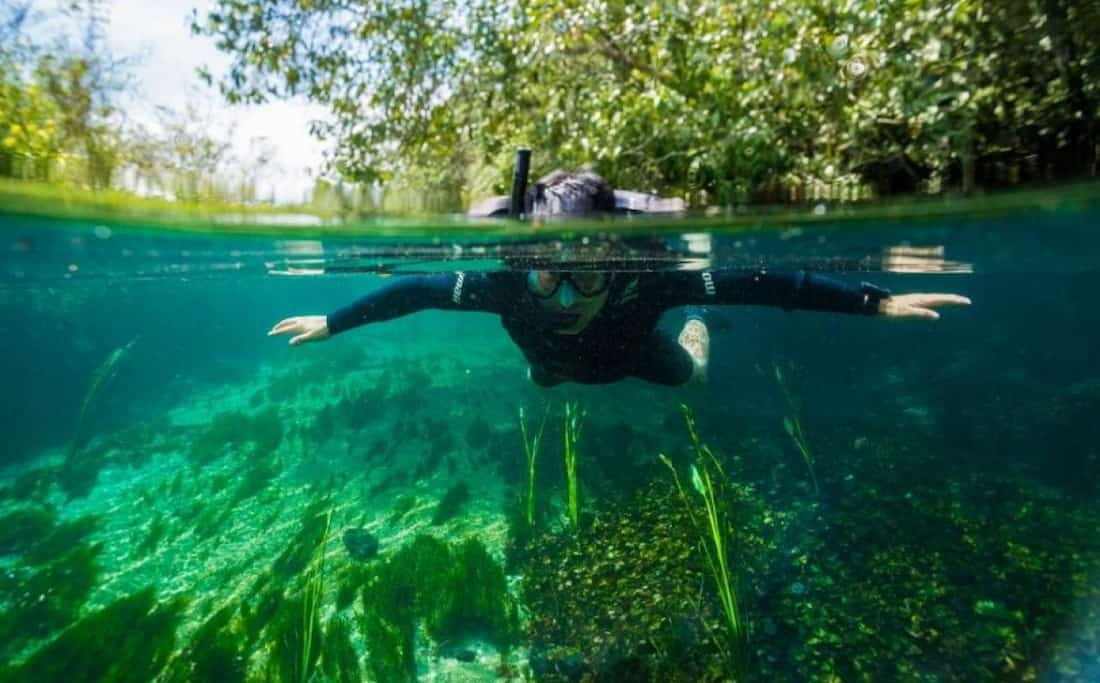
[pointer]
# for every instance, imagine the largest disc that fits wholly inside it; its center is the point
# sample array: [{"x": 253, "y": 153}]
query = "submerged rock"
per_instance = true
[{"x": 361, "y": 544}]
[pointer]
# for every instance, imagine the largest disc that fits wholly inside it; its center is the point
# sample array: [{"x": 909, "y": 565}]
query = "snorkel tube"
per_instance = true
[{"x": 519, "y": 182}]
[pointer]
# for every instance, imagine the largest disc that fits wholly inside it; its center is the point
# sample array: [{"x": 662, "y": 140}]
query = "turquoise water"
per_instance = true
[{"x": 900, "y": 500}]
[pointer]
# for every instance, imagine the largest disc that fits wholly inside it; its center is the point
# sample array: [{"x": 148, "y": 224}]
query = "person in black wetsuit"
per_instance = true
[{"x": 592, "y": 326}]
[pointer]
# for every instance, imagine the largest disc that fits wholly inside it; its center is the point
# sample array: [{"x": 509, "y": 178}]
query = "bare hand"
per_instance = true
[
  {"x": 919, "y": 305},
  {"x": 306, "y": 328}
]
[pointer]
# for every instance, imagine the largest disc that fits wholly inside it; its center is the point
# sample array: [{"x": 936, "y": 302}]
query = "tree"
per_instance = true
[{"x": 714, "y": 99}]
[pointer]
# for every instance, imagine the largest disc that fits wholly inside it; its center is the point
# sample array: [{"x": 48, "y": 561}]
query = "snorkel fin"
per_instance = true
[{"x": 519, "y": 182}]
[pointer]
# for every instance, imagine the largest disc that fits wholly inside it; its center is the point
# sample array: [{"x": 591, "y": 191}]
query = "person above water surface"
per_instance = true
[{"x": 578, "y": 323}]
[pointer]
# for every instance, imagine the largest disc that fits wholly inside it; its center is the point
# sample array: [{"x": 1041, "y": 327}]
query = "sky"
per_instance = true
[{"x": 166, "y": 76}]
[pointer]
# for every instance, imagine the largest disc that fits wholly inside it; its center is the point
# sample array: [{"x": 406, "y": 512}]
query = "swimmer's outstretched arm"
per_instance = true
[
  {"x": 403, "y": 295},
  {"x": 800, "y": 290}
]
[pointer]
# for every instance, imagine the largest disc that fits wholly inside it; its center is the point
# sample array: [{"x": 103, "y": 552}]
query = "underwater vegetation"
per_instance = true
[
  {"x": 31, "y": 486},
  {"x": 452, "y": 591},
  {"x": 39, "y": 599},
  {"x": 531, "y": 453},
  {"x": 295, "y": 633},
  {"x": 217, "y": 652},
  {"x": 129, "y": 640},
  {"x": 451, "y": 503},
  {"x": 302, "y": 548},
  {"x": 792, "y": 425},
  {"x": 229, "y": 431},
  {"x": 715, "y": 531},
  {"x": 21, "y": 529},
  {"x": 402, "y": 505},
  {"x": 571, "y": 433}
]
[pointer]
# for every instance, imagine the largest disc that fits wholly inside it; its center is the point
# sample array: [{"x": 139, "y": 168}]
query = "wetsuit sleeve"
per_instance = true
[
  {"x": 407, "y": 294},
  {"x": 787, "y": 290}
]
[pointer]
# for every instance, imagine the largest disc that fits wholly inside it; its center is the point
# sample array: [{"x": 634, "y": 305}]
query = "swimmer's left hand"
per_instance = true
[{"x": 919, "y": 305}]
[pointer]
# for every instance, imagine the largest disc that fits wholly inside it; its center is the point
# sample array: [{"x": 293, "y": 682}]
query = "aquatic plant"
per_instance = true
[
  {"x": 257, "y": 474},
  {"x": 62, "y": 539},
  {"x": 714, "y": 531},
  {"x": 217, "y": 652},
  {"x": 261, "y": 605},
  {"x": 228, "y": 431},
  {"x": 130, "y": 640},
  {"x": 295, "y": 632},
  {"x": 531, "y": 452},
  {"x": 21, "y": 529},
  {"x": 452, "y": 501},
  {"x": 41, "y": 599},
  {"x": 311, "y": 602},
  {"x": 296, "y": 557},
  {"x": 157, "y": 529},
  {"x": 403, "y": 585},
  {"x": 79, "y": 472},
  {"x": 453, "y": 592},
  {"x": 571, "y": 430},
  {"x": 32, "y": 485},
  {"x": 102, "y": 375},
  {"x": 401, "y": 507},
  {"x": 475, "y": 599},
  {"x": 792, "y": 424},
  {"x": 339, "y": 661}
]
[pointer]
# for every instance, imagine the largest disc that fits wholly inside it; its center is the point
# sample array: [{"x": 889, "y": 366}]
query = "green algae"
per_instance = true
[
  {"x": 21, "y": 529},
  {"x": 233, "y": 430},
  {"x": 129, "y": 640},
  {"x": 451, "y": 503},
  {"x": 454, "y": 592},
  {"x": 62, "y": 539},
  {"x": 217, "y": 652},
  {"x": 31, "y": 486},
  {"x": 402, "y": 505},
  {"x": 296, "y": 556},
  {"x": 157, "y": 529},
  {"x": 339, "y": 662},
  {"x": 291, "y": 661},
  {"x": 39, "y": 600}
]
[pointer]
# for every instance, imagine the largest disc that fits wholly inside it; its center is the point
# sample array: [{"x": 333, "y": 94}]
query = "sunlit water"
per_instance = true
[{"x": 156, "y": 438}]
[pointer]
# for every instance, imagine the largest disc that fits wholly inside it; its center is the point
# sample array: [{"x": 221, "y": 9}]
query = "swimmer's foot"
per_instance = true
[{"x": 696, "y": 341}]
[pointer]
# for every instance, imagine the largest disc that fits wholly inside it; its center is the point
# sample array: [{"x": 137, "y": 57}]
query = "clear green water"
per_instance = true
[{"x": 179, "y": 485}]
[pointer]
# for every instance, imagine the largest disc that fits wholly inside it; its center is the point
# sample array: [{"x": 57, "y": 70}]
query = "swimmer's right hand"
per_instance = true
[{"x": 306, "y": 328}]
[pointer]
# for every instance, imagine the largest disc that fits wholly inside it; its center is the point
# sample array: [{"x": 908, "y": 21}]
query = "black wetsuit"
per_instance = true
[{"x": 622, "y": 340}]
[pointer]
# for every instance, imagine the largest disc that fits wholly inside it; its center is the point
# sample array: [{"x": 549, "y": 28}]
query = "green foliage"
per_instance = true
[
  {"x": 571, "y": 431},
  {"x": 531, "y": 453},
  {"x": 476, "y": 599},
  {"x": 453, "y": 500},
  {"x": 339, "y": 662},
  {"x": 62, "y": 539},
  {"x": 32, "y": 485},
  {"x": 40, "y": 600},
  {"x": 295, "y": 633},
  {"x": 792, "y": 424},
  {"x": 300, "y": 551},
  {"x": 713, "y": 526},
  {"x": 454, "y": 592},
  {"x": 287, "y": 634},
  {"x": 401, "y": 507},
  {"x": 729, "y": 101},
  {"x": 217, "y": 652},
  {"x": 157, "y": 528},
  {"x": 232, "y": 430},
  {"x": 129, "y": 640},
  {"x": 21, "y": 529},
  {"x": 257, "y": 475}
]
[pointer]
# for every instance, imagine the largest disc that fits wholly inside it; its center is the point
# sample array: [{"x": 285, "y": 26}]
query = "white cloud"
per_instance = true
[{"x": 167, "y": 76}]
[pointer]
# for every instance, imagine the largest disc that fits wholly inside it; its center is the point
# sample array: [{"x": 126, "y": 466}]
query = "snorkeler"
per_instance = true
[{"x": 578, "y": 324}]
